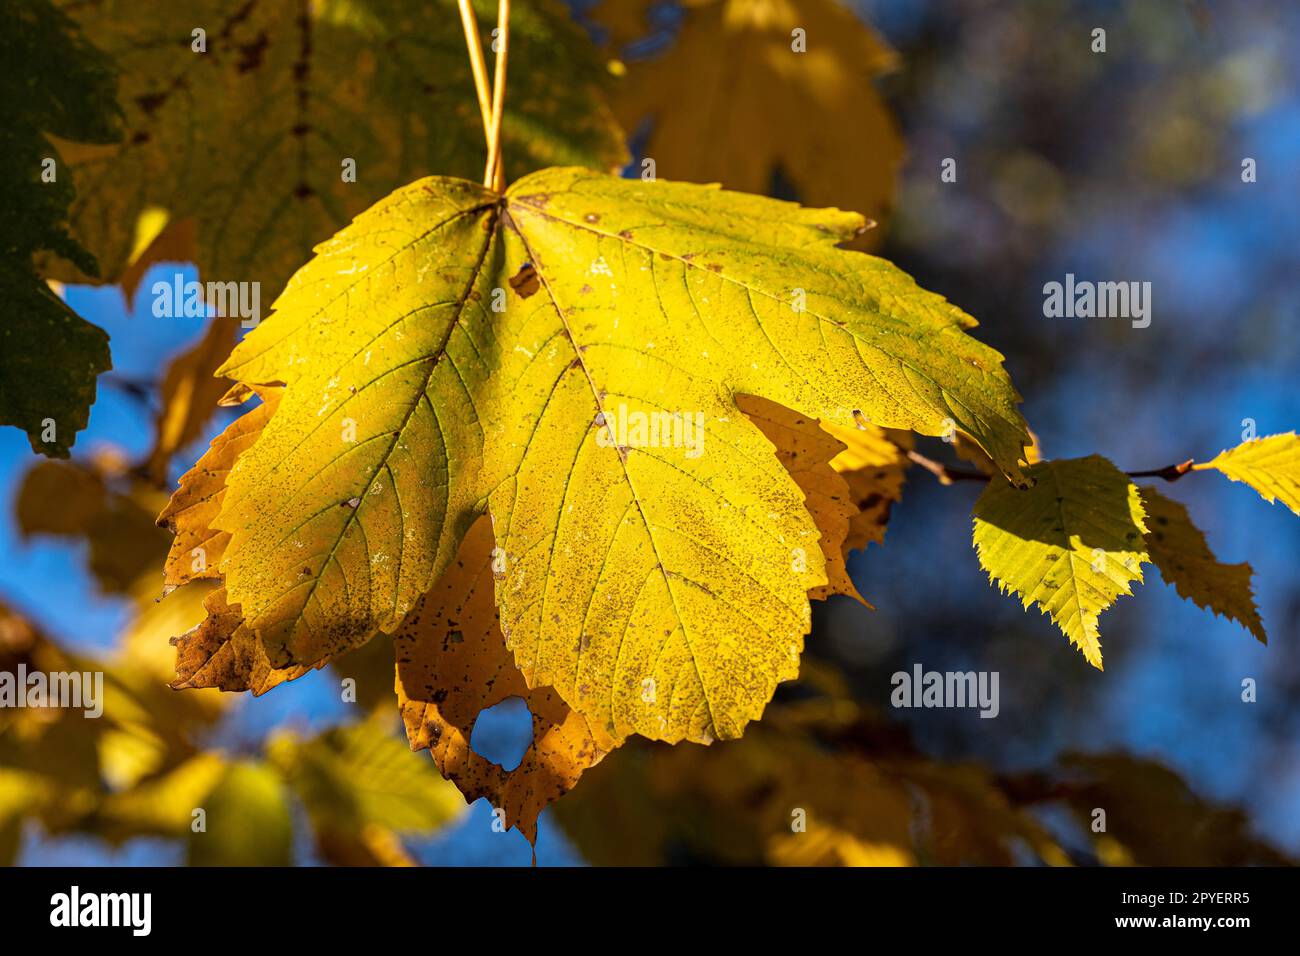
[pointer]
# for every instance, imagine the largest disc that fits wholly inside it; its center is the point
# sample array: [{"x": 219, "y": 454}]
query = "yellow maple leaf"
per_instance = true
[
  {"x": 753, "y": 90},
  {"x": 455, "y": 351}
]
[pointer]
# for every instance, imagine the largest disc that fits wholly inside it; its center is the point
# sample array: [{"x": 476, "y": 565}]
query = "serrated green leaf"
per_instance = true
[
  {"x": 1179, "y": 549},
  {"x": 1071, "y": 544},
  {"x": 1269, "y": 465}
]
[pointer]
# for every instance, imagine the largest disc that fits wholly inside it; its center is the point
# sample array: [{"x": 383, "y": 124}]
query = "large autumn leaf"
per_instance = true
[
  {"x": 735, "y": 79},
  {"x": 197, "y": 547},
  {"x": 452, "y": 659},
  {"x": 55, "y": 83},
  {"x": 248, "y": 139},
  {"x": 660, "y": 586}
]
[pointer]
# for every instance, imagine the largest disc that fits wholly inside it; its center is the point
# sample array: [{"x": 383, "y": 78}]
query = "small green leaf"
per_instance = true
[
  {"x": 1071, "y": 544},
  {"x": 1269, "y": 465}
]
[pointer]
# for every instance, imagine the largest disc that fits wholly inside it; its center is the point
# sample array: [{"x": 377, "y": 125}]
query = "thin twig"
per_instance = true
[
  {"x": 947, "y": 474},
  {"x": 494, "y": 173},
  {"x": 478, "y": 65},
  {"x": 1168, "y": 473}
]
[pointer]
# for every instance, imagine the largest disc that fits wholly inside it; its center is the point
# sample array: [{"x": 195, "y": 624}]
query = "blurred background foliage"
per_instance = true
[{"x": 1124, "y": 165}]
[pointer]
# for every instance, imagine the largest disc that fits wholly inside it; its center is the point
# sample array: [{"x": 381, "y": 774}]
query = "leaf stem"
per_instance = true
[
  {"x": 478, "y": 65},
  {"x": 494, "y": 173}
]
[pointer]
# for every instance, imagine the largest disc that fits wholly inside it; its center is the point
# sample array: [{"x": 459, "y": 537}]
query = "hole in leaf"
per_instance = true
[{"x": 503, "y": 732}]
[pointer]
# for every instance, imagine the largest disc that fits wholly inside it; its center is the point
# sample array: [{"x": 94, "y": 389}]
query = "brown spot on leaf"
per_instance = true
[
  {"x": 151, "y": 101},
  {"x": 250, "y": 54},
  {"x": 525, "y": 281}
]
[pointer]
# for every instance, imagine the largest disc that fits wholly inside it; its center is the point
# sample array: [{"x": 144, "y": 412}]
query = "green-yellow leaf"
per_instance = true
[
  {"x": 1071, "y": 544},
  {"x": 1269, "y": 465},
  {"x": 332, "y": 105},
  {"x": 1180, "y": 551},
  {"x": 53, "y": 82},
  {"x": 455, "y": 351},
  {"x": 360, "y": 774},
  {"x": 247, "y": 820}
]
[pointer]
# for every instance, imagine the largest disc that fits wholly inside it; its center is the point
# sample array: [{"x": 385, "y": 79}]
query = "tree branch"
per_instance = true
[
  {"x": 947, "y": 474},
  {"x": 1168, "y": 473}
]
